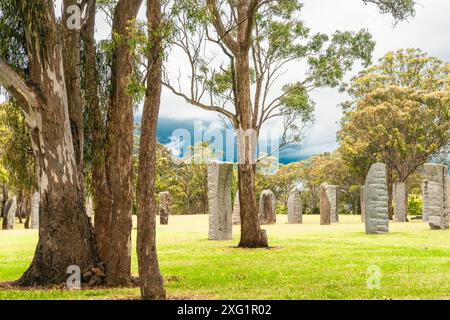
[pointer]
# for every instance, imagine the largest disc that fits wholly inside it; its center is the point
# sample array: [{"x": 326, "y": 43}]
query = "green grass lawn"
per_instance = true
[{"x": 306, "y": 261}]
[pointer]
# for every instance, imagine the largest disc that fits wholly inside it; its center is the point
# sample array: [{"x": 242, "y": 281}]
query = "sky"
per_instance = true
[{"x": 429, "y": 30}]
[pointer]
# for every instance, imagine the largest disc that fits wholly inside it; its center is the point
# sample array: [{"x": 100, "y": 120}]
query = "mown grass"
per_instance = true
[{"x": 306, "y": 261}]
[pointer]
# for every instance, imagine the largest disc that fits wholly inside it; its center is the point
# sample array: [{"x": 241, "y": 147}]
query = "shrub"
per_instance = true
[{"x": 414, "y": 205}]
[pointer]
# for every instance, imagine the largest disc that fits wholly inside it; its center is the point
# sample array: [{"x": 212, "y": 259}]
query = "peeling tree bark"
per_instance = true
[
  {"x": 151, "y": 281},
  {"x": 120, "y": 148},
  {"x": 66, "y": 236}
]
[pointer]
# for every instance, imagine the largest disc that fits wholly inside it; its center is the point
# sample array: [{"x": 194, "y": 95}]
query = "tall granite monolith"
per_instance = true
[
  {"x": 267, "y": 203},
  {"x": 295, "y": 210},
  {"x": 332, "y": 194},
  {"x": 325, "y": 206},
  {"x": 9, "y": 216},
  {"x": 219, "y": 201},
  {"x": 400, "y": 201},
  {"x": 436, "y": 199},
  {"x": 376, "y": 200}
]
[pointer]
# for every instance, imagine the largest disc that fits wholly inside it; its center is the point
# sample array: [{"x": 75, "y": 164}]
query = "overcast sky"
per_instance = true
[{"x": 428, "y": 30}]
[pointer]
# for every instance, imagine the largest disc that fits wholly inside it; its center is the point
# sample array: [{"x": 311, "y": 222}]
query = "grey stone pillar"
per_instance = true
[
  {"x": 267, "y": 203},
  {"x": 164, "y": 207},
  {"x": 376, "y": 200},
  {"x": 362, "y": 204},
  {"x": 236, "y": 210},
  {"x": 34, "y": 218},
  {"x": 9, "y": 217},
  {"x": 332, "y": 193},
  {"x": 325, "y": 206},
  {"x": 219, "y": 201},
  {"x": 436, "y": 202},
  {"x": 295, "y": 210},
  {"x": 400, "y": 202}
]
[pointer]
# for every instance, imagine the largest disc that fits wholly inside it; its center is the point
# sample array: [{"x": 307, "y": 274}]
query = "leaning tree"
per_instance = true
[
  {"x": 32, "y": 65},
  {"x": 259, "y": 38}
]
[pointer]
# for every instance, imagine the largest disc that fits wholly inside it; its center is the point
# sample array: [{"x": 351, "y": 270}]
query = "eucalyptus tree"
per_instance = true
[
  {"x": 150, "y": 278},
  {"x": 32, "y": 73},
  {"x": 400, "y": 110},
  {"x": 259, "y": 40}
]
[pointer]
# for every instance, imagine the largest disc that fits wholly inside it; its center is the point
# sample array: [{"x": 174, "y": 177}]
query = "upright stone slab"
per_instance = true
[
  {"x": 267, "y": 203},
  {"x": 295, "y": 210},
  {"x": 219, "y": 201},
  {"x": 362, "y": 204},
  {"x": 9, "y": 217},
  {"x": 376, "y": 200},
  {"x": 399, "y": 193},
  {"x": 164, "y": 207},
  {"x": 236, "y": 210},
  {"x": 325, "y": 206},
  {"x": 332, "y": 193},
  {"x": 425, "y": 201},
  {"x": 436, "y": 201},
  {"x": 34, "y": 218}
]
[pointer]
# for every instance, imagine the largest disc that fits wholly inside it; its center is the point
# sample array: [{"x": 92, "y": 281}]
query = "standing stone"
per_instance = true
[
  {"x": 436, "y": 201},
  {"x": 9, "y": 217},
  {"x": 376, "y": 200},
  {"x": 295, "y": 210},
  {"x": 164, "y": 207},
  {"x": 267, "y": 203},
  {"x": 236, "y": 210},
  {"x": 362, "y": 204},
  {"x": 34, "y": 218},
  {"x": 400, "y": 203},
  {"x": 219, "y": 201},
  {"x": 332, "y": 194},
  {"x": 425, "y": 209},
  {"x": 325, "y": 206},
  {"x": 90, "y": 207}
]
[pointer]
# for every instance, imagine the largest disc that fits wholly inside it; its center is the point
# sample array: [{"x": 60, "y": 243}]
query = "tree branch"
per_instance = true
[
  {"x": 17, "y": 87},
  {"x": 220, "y": 28}
]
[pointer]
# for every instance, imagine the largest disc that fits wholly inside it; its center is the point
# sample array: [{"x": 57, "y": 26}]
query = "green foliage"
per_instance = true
[
  {"x": 400, "y": 113},
  {"x": 16, "y": 155},
  {"x": 414, "y": 205}
]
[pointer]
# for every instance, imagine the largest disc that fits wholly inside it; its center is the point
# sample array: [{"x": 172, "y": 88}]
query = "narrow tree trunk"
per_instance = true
[
  {"x": 251, "y": 233},
  {"x": 5, "y": 197},
  {"x": 151, "y": 281},
  {"x": 96, "y": 127},
  {"x": 120, "y": 157},
  {"x": 72, "y": 61}
]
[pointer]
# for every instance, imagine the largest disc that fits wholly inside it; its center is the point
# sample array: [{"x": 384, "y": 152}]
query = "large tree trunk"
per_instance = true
[
  {"x": 251, "y": 234},
  {"x": 65, "y": 234},
  {"x": 151, "y": 281},
  {"x": 120, "y": 157},
  {"x": 96, "y": 127}
]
